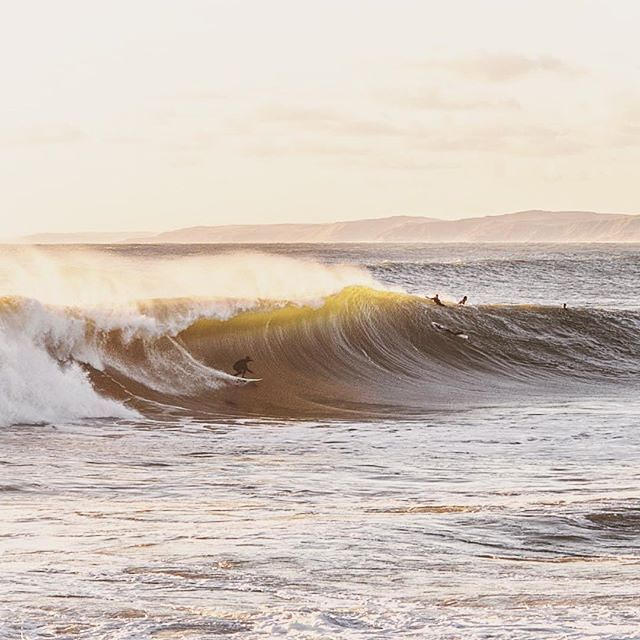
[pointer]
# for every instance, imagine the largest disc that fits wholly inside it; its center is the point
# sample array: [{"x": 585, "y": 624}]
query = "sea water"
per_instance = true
[{"x": 144, "y": 494}]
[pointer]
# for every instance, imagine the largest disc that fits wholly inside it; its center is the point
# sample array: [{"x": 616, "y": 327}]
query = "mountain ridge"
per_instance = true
[{"x": 533, "y": 225}]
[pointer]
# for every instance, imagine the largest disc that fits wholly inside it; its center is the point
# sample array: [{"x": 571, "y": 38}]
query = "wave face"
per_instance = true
[
  {"x": 327, "y": 341},
  {"x": 372, "y": 350}
]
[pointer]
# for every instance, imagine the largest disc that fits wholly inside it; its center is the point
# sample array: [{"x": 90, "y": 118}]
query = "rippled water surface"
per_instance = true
[{"x": 514, "y": 518}]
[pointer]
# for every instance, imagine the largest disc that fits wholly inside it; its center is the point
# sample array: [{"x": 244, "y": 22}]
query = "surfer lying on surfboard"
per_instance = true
[
  {"x": 241, "y": 367},
  {"x": 454, "y": 332}
]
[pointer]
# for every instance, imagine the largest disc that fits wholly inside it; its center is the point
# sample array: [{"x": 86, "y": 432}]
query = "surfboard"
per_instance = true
[
  {"x": 243, "y": 382},
  {"x": 441, "y": 327}
]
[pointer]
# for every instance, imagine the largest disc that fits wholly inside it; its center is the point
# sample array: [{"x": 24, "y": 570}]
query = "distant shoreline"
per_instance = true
[{"x": 531, "y": 227}]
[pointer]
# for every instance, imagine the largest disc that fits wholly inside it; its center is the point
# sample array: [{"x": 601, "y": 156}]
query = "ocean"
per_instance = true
[{"x": 387, "y": 477}]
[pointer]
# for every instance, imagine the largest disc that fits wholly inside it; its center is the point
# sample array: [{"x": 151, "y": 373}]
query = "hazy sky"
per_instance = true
[{"x": 156, "y": 114}]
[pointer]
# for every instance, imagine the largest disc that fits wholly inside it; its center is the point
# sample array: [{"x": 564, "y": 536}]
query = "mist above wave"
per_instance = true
[{"x": 90, "y": 278}]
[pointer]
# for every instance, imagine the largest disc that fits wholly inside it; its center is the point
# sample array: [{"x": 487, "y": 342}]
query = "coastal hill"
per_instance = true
[{"x": 523, "y": 226}]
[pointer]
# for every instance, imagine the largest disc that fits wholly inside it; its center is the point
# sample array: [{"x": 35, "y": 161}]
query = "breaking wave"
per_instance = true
[{"x": 338, "y": 344}]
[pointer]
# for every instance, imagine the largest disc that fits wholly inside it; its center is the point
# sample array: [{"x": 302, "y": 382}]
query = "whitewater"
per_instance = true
[{"x": 384, "y": 479}]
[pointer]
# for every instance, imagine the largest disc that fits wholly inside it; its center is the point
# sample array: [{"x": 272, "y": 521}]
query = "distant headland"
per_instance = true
[{"x": 523, "y": 226}]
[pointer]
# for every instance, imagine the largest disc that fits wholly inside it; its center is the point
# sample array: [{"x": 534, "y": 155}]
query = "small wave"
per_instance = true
[
  {"x": 624, "y": 521},
  {"x": 430, "y": 509}
]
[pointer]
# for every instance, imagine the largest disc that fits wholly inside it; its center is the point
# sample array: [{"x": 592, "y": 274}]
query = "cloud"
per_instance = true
[
  {"x": 503, "y": 67},
  {"x": 626, "y": 122},
  {"x": 205, "y": 96},
  {"x": 327, "y": 132},
  {"x": 386, "y": 138},
  {"x": 413, "y": 143},
  {"x": 309, "y": 148},
  {"x": 325, "y": 121},
  {"x": 435, "y": 100},
  {"x": 404, "y": 159},
  {"x": 43, "y": 135},
  {"x": 517, "y": 140}
]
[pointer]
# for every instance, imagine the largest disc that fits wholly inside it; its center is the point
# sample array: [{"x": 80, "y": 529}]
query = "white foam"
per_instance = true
[{"x": 36, "y": 388}]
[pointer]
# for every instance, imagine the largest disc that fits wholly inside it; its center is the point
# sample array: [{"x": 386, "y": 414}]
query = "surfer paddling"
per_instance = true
[
  {"x": 241, "y": 367},
  {"x": 458, "y": 333},
  {"x": 437, "y": 300}
]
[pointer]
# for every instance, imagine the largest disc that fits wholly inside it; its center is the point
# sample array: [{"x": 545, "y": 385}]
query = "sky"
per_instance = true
[{"x": 142, "y": 115}]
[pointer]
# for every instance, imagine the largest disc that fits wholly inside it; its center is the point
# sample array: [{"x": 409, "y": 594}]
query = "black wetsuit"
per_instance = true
[{"x": 242, "y": 367}]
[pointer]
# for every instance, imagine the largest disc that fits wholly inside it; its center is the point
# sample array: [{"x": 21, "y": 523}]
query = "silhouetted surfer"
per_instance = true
[
  {"x": 242, "y": 367},
  {"x": 437, "y": 300},
  {"x": 463, "y": 301}
]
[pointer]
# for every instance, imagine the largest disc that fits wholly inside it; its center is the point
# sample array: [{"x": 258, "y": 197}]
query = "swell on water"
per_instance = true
[{"x": 359, "y": 349}]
